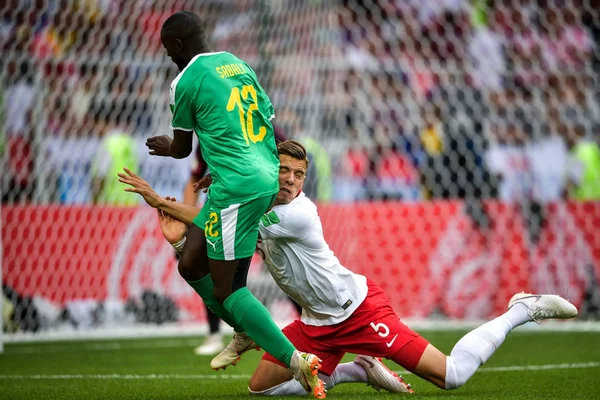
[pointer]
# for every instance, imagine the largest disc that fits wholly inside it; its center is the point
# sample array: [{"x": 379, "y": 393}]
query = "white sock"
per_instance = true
[
  {"x": 347, "y": 372},
  {"x": 288, "y": 388},
  {"x": 477, "y": 346}
]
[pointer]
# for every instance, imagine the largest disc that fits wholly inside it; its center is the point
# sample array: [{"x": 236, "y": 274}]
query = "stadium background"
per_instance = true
[{"x": 454, "y": 147}]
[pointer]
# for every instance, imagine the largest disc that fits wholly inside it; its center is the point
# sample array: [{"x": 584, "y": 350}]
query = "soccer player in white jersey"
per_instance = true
[{"x": 343, "y": 311}]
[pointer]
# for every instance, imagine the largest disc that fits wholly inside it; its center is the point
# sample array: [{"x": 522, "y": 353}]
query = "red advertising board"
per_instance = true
[{"x": 428, "y": 257}]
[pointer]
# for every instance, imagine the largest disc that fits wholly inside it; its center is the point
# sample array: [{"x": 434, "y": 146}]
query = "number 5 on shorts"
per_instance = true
[{"x": 385, "y": 332}]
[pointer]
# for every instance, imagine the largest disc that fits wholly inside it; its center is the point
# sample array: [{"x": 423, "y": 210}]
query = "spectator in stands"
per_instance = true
[
  {"x": 397, "y": 177},
  {"x": 84, "y": 91},
  {"x": 585, "y": 153},
  {"x": 592, "y": 23},
  {"x": 18, "y": 25},
  {"x": 142, "y": 109},
  {"x": 487, "y": 49},
  {"x": 507, "y": 159},
  {"x": 320, "y": 187},
  {"x": 352, "y": 172},
  {"x": 116, "y": 149},
  {"x": 63, "y": 34},
  {"x": 463, "y": 110},
  {"x": 524, "y": 48},
  {"x": 566, "y": 44},
  {"x": 432, "y": 138},
  {"x": 553, "y": 169},
  {"x": 19, "y": 100},
  {"x": 68, "y": 153}
]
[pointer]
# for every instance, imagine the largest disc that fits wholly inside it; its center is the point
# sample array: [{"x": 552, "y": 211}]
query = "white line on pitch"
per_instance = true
[
  {"x": 246, "y": 376},
  {"x": 126, "y": 376},
  {"x": 101, "y": 346},
  {"x": 540, "y": 367}
]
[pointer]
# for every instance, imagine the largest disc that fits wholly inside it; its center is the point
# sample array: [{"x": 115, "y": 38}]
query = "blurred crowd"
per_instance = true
[
  {"x": 395, "y": 99},
  {"x": 472, "y": 99}
]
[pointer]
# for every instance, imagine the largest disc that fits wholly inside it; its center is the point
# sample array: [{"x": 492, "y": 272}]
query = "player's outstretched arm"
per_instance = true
[
  {"x": 180, "y": 211},
  {"x": 139, "y": 186},
  {"x": 178, "y": 147}
]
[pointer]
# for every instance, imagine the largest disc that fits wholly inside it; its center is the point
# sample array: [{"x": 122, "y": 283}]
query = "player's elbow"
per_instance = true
[
  {"x": 181, "y": 146},
  {"x": 180, "y": 151}
]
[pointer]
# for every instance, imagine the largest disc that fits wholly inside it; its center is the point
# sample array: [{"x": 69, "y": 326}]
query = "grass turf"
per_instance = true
[{"x": 168, "y": 369}]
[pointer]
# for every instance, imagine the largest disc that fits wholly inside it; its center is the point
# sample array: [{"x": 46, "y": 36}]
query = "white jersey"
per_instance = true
[{"x": 304, "y": 267}]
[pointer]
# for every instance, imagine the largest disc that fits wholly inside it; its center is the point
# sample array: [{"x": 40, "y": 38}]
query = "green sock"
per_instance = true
[
  {"x": 204, "y": 287},
  {"x": 259, "y": 325}
]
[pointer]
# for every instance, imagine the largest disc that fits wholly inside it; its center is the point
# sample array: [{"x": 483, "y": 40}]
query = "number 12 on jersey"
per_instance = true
[{"x": 235, "y": 100}]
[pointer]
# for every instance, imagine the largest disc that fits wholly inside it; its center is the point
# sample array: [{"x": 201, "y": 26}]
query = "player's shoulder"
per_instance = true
[
  {"x": 303, "y": 200},
  {"x": 300, "y": 205},
  {"x": 297, "y": 216},
  {"x": 190, "y": 74}
]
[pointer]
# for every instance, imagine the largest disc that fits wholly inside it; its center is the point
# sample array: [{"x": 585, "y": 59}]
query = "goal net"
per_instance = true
[{"x": 453, "y": 145}]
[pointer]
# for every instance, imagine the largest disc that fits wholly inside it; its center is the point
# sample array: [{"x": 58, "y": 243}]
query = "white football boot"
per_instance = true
[
  {"x": 544, "y": 306},
  {"x": 231, "y": 354},
  {"x": 381, "y": 377},
  {"x": 305, "y": 367}
]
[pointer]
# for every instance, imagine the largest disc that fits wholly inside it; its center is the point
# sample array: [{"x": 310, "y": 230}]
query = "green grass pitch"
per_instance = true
[{"x": 530, "y": 365}]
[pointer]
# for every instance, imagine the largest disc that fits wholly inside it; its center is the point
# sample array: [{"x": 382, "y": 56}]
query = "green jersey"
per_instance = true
[{"x": 218, "y": 96}]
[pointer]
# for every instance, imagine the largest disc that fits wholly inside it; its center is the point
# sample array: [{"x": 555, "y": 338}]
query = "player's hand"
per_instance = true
[
  {"x": 139, "y": 186},
  {"x": 203, "y": 183},
  {"x": 159, "y": 145},
  {"x": 173, "y": 229}
]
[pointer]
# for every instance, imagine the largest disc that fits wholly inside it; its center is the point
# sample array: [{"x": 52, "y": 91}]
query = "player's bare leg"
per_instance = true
[
  {"x": 270, "y": 379},
  {"x": 230, "y": 276},
  {"x": 193, "y": 264},
  {"x": 477, "y": 346},
  {"x": 194, "y": 268},
  {"x": 432, "y": 366}
]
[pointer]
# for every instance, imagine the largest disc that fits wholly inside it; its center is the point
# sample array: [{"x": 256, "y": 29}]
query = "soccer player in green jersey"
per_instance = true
[{"x": 217, "y": 96}]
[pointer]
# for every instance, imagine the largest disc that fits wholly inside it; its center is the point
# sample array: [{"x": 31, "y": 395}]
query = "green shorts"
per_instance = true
[{"x": 231, "y": 232}]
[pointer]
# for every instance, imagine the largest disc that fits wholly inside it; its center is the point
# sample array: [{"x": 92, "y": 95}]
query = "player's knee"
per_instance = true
[
  {"x": 256, "y": 385},
  {"x": 220, "y": 294},
  {"x": 190, "y": 267},
  {"x": 186, "y": 270},
  {"x": 456, "y": 375}
]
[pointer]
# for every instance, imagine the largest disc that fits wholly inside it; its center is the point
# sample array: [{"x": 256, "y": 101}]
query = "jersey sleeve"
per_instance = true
[
  {"x": 285, "y": 223},
  {"x": 181, "y": 100}
]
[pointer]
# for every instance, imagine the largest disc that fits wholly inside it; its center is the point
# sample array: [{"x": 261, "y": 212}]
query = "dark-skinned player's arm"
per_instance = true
[{"x": 178, "y": 147}]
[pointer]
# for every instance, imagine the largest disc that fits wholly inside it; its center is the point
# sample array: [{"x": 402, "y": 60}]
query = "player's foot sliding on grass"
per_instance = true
[
  {"x": 345, "y": 312},
  {"x": 217, "y": 96}
]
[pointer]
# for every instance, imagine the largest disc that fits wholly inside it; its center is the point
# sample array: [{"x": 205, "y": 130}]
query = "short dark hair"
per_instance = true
[
  {"x": 293, "y": 149},
  {"x": 183, "y": 24}
]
